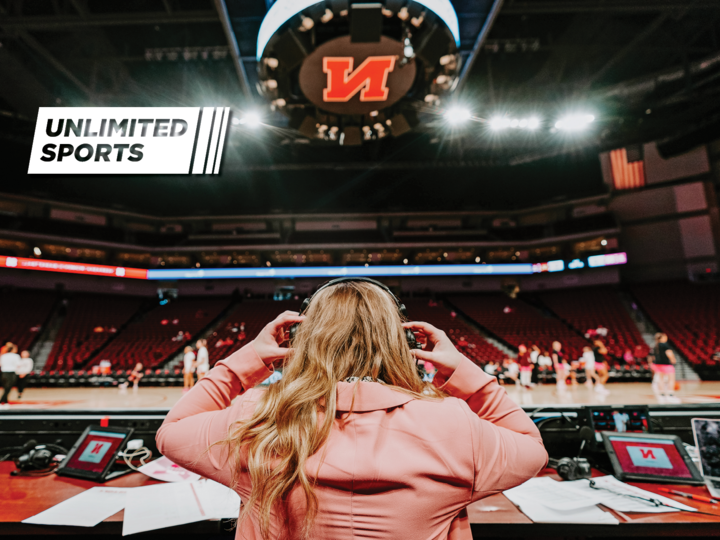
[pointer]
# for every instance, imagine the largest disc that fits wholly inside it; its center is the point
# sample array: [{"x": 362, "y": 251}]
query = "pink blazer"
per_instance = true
[{"x": 397, "y": 468}]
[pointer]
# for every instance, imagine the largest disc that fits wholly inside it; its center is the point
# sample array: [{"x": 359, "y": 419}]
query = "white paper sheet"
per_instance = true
[
  {"x": 554, "y": 494},
  {"x": 86, "y": 509},
  {"x": 530, "y": 505},
  {"x": 611, "y": 499},
  {"x": 163, "y": 505},
  {"x": 218, "y": 500},
  {"x": 167, "y": 471}
]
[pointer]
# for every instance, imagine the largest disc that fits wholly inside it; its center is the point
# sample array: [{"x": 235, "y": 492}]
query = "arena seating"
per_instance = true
[
  {"x": 523, "y": 323},
  {"x": 688, "y": 313},
  {"x": 479, "y": 350},
  {"x": 586, "y": 309},
  {"x": 79, "y": 335},
  {"x": 255, "y": 314},
  {"x": 149, "y": 339},
  {"x": 22, "y": 315}
]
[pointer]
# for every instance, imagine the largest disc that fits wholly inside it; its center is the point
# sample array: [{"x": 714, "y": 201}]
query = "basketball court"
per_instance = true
[{"x": 164, "y": 397}]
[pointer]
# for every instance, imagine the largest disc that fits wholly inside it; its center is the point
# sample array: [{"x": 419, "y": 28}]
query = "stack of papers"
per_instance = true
[
  {"x": 544, "y": 500},
  {"x": 147, "y": 508}
]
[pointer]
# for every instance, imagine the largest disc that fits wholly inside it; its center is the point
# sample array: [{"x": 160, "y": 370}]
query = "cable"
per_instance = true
[{"x": 143, "y": 454}]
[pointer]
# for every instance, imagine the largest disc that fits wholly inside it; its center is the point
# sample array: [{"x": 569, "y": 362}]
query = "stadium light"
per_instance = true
[
  {"x": 498, "y": 123},
  {"x": 457, "y": 115},
  {"x": 574, "y": 122}
]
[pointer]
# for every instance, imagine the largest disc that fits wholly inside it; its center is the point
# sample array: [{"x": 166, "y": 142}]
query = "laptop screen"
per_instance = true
[{"x": 707, "y": 440}]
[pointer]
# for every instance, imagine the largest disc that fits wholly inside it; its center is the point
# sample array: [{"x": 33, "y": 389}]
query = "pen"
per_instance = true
[{"x": 689, "y": 495}]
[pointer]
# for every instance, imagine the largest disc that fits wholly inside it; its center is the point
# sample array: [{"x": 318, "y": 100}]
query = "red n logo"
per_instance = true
[
  {"x": 647, "y": 454},
  {"x": 370, "y": 77},
  {"x": 97, "y": 448}
]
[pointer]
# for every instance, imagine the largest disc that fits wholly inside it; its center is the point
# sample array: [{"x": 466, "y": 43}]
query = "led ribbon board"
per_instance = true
[
  {"x": 294, "y": 272},
  {"x": 129, "y": 140},
  {"x": 283, "y": 10}
]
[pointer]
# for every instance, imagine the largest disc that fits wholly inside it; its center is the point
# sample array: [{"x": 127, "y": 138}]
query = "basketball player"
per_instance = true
[
  {"x": 562, "y": 368},
  {"x": 203, "y": 358},
  {"x": 188, "y": 369},
  {"x": 663, "y": 367},
  {"x": 24, "y": 368},
  {"x": 601, "y": 366},
  {"x": 526, "y": 366}
]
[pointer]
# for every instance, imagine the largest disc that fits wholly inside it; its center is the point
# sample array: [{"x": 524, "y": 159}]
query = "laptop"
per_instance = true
[{"x": 707, "y": 440}]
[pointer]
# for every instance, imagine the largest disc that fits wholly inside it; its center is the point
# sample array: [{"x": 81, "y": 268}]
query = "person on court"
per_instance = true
[
  {"x": 526, "y": 366},
  {"x": 24, "y": 368},
  {"x": 663, "y": 367},
  {"x": 188, "y": 369},
  {"x": 8, "y": 365},
  {"x": 562, "y": 368},
  {"x": 601, "y": 366},
  {"x": 135, "y": 375},
  {"x": 203, "y": 358},
  {"x": 351, "y": 442}
]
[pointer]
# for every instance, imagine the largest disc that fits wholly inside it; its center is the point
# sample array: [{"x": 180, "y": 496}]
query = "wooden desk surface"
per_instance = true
[{"x": 22, "y": 497}]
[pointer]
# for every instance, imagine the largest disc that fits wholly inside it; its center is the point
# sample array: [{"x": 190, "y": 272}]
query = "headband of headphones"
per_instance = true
[
  {"x": 400, "y": 305},
  {"x": 409, "y": 335}
]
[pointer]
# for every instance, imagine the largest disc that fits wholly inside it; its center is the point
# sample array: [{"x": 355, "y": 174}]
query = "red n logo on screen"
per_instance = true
[
  {"x": 97, "y": 448},
  {"x": 370, "y": 78},
  {"x": 647, "y": 454}
]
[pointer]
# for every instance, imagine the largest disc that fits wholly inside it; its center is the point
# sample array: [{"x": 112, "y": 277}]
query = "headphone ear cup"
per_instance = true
[
  {"x": 411, "y": 340},
  {"x": 304, "y": 305},
  {"x": 293, "y": 331}
]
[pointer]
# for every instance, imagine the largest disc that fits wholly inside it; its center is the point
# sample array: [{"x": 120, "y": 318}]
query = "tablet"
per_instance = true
[
  {"x": 650, "y": 458},
  {"x": 95, "y": 453}
]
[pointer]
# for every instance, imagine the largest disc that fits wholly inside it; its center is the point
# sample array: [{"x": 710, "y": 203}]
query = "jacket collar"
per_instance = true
[{"x": 370, "y": 396}]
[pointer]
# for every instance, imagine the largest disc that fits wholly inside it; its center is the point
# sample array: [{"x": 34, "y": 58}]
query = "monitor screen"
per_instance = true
[
  {"x": 648, "y": 455},
  {"x": 621, "y": 420},
  {"x": 707, "y": 439},
  {"x": 96, "y": 451}
]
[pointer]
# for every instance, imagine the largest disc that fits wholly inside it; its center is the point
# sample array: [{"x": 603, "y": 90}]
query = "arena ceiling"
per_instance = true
[{"x": 647, "y": 69}]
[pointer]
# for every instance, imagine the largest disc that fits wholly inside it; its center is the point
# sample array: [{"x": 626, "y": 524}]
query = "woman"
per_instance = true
[
  {"x": 601, "y": 366},
  {"x": 135, "y": 375},
  {"x": 188, "y": 369},
  {"x": 526, "y": 366},
  {"x": 663, "y": 367},
  {"x": 350, "y": 442},
  {"x": 591, "y": 376},
  {"x": 562, "y": 368},
  {"x": 203, "y": 358}
]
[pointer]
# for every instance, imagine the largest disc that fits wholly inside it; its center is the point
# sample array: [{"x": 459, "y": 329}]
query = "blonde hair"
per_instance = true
[{"x": 352, "y": 329}]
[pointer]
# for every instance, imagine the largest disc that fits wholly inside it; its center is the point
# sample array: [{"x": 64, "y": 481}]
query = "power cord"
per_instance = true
[{"x": 136, "y": 450}]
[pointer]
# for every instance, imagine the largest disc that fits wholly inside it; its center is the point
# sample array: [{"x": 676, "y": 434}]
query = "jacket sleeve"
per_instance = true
[
  {"x": 507, "y": 447},
  {"x": 204, "y": 415}
]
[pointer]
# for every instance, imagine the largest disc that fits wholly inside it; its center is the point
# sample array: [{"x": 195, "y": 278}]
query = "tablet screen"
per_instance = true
[
  {"x": 96, "y": 451},
  {"x": 707, "y": 440},
  {"x": 648, "y": 455}
]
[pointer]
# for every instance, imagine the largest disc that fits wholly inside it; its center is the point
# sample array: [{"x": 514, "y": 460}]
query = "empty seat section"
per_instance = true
[
  {"x": 254, "y": 314},
  {"x": 22, "y": 315},
  {"x": 516, "y": 322},
  {"x": 688, "y": 313},
  {"x": 154, "y": 337},
  {"x": 588, "y": 309},
  {"x": 92, "y": 319}
]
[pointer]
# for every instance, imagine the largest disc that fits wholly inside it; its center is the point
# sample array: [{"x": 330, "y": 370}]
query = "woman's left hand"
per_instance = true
[{"x": 267, "y": 343}]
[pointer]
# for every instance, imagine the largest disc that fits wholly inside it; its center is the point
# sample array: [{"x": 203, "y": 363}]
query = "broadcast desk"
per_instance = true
[{"x": 493, "y": 517}]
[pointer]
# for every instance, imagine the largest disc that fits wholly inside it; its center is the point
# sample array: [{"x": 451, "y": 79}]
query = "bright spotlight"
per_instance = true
[
  {"x": 498, "y": 122},
  {"x": 574, "y": 122},
  {"x": 533, "y": 122},
  {"x": 37, "y": 251},
  {"x": 458, "y": 115},
  {"x": 251, "y": 120},
  {"x": 236, "y": 121}
]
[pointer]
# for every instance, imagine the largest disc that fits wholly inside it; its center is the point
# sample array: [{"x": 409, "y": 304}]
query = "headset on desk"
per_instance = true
[{"x": 33, "y": 459}]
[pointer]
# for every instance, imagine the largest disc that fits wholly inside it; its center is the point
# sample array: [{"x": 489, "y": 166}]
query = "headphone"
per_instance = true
[
  {"x": 409, "y": 335},
  {"x": 32, "y": 459}
]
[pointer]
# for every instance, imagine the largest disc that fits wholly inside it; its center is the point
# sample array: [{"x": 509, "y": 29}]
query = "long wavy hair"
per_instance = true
[{"x": 352, "y": 329}]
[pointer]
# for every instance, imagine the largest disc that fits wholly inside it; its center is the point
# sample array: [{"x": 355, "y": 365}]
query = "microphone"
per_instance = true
[{"x": 587, "y": 435}]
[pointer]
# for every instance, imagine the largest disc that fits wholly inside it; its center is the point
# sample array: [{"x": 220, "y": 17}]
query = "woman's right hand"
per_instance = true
[
  {"x": 267, "y": 343},
  {"x": 439, "y": 349}
]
